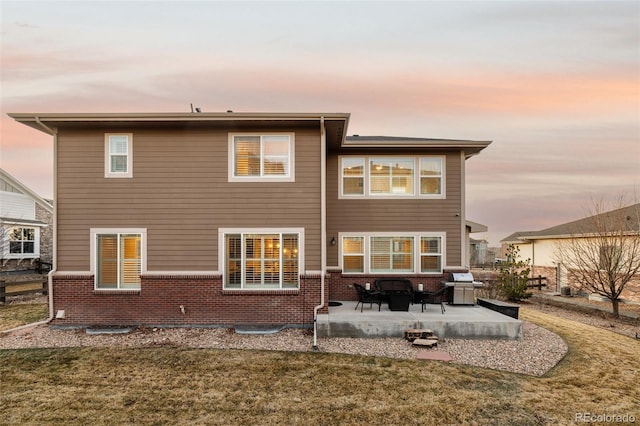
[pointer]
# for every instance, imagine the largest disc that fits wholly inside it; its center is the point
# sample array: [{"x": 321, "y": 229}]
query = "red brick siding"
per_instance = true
[{"x": 205, "y": 303}]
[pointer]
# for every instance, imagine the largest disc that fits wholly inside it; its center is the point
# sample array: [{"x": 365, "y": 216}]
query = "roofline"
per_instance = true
[
  {"x": 15, "y": 182},
  {"x": 174, "y": 116},
  {"x": 37, "y": 120},
  {"x": 399, "y": 142}
]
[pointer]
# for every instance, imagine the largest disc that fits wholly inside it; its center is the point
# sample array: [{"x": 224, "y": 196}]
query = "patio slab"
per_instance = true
[
  {"x": 467, "y": 322},
  {"x": 433, "y": 356}
]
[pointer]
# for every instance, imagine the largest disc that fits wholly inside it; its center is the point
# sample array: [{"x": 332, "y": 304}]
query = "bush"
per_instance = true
[{"x": 512, "y": 279}]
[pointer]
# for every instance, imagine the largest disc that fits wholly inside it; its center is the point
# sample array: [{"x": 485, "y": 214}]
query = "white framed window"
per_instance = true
[
  {"x": 392, "y": 253},
  {"x": 118, "y": 258},
  {"x": 24, "y": 242},
  {"x": 431, "y": 169},
  {"x": 392, "y": 176},
  {"x": 261, "y": 259},
  {"x": 118, "y": 152},
  {"x": 431, "y": 254},
  {"x": 353, "y": 254},
  {"x": 261, "y": 157},
  {"x": 352, "y": 169}
]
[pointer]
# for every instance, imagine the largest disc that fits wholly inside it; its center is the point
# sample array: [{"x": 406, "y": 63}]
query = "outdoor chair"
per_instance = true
[
  {"x": 367, "y": 296},
  {"x": 437, "y": 296}
]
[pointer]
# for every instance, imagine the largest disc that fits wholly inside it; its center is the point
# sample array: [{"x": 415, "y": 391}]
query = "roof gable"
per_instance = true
[
  {"x": 585, "y": 226},
  {"x": 10, "y": 182}
]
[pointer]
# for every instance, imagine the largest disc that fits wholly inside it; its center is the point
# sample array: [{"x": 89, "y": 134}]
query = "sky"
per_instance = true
[{"x": 554, "y": 85}]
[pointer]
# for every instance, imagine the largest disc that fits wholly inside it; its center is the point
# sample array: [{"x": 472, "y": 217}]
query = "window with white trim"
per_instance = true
[
  {"x": 261, "y": 157},
  {"x": 430, "y": 254},
  {"x": 390, "y": 253},
  {"x": 118, "y": 259},
  {"x": 262, "y": 261},
  {"x": 392, "y": 176},
  {"x": 118, "y": 161},
  {"x": 23, "y": 242},
  {"x": 353, "y": 254}
]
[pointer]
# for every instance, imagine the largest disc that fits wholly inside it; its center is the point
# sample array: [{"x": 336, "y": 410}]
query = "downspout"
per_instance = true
[
  {"x": 54, "y": 260},
  {"x": 323, "y": 228},
  {"x": 464, "y": 240}
]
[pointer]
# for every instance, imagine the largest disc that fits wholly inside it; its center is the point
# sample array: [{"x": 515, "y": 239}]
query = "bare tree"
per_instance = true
[{"x": 602, "y": 251}]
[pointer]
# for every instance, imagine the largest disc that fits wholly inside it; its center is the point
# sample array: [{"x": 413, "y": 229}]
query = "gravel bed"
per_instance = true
[
  {"x": 539, "y": 351},
  {"x": 535, "y": 354}
]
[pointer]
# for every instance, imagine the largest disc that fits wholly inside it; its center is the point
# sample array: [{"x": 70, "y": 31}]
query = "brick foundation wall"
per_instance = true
[
  {"x": 205, "y": 303},
  {"x": 341, "y": 286}
]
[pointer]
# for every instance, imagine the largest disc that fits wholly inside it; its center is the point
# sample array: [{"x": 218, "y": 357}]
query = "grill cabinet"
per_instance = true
[{"x": 463, "y": 288}]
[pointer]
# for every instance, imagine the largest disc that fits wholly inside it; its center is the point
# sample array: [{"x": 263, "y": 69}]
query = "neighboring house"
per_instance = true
[
  {"x": 243, "y": 218},
  {"x": 25, "y": 226},
  {"x": 479, "y": 253},
  {"x": 541, "y": 248}
]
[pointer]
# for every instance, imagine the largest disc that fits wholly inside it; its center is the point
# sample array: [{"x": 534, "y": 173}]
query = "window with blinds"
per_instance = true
[
  {"x": 118, "y": 261},
  {"x": 389, "y": 254},
  {"x": 261, "y": 261},
  {"x": 118, "y": 155},
  {"x": 266, "y": 157},
  {"x": 392, "y": 176}
]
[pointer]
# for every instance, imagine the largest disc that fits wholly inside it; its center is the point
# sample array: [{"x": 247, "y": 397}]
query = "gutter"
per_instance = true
[{"x": 323, "y": 228}]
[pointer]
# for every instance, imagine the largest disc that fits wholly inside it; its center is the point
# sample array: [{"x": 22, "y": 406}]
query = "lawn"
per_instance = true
[
  {"x": 599, "y": 375},
  {"x": 20, "y": 314}
]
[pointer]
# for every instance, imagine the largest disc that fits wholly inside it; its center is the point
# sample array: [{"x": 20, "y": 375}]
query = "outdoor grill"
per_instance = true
[{"x": 463, "y": 286}]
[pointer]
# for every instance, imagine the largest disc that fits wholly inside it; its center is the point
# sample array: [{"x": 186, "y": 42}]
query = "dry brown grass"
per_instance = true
[
  {"x": 177, "y": 386},
  {"x": 16, "y": 315}
]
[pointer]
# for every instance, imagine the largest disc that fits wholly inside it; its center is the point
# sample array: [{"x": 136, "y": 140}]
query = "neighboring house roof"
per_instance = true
[
  {"x": 583, "y": 226},
  {"x": 12, "y": 221},
  {"x": 23, "y": 189},
  {"x": 476, "y": 227}
]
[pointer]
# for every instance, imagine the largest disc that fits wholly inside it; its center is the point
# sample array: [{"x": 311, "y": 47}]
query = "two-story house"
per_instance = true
[
  {"x": 236, "y": 218},
  {"x": 25, "y": 226}
]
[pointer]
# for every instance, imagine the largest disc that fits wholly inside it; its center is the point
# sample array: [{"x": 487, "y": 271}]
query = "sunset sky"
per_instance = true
[{"x": 554, "y": 85}]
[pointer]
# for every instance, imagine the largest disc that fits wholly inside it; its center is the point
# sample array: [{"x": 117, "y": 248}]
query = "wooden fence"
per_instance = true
[
  {"x": 9, "y": 289},
  {"x": 537, "y": 282}
]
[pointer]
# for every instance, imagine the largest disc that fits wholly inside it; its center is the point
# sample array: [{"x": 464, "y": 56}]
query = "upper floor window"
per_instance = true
[
  {"x": 118, "y": 153},
  {"x": 387, "y": 177},
  {"x": 266, "y": 157},
  {"x": 118, "y": 258}
]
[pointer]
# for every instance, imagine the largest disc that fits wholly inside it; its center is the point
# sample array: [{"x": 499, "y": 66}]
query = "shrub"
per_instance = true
[{"x": 514, "y": 272}]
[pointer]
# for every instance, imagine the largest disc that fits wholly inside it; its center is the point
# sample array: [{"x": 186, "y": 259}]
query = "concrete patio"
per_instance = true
[{"x": 459, "y": 321}]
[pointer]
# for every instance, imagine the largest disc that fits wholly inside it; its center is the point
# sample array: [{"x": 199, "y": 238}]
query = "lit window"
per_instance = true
[
  {"x": 392, "y": 254},
  {"x": 261, "y": 157},
  {"x": 262, "y": 261},
  {"x": 118, "y": 260},
  {"x": 389, "y": 177},
  {"x": 118, "y": 156},
  {"x": 353, "y": 254},
  {"x": 353, "y": 176},
  {"x": 431, "y": 254}
]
